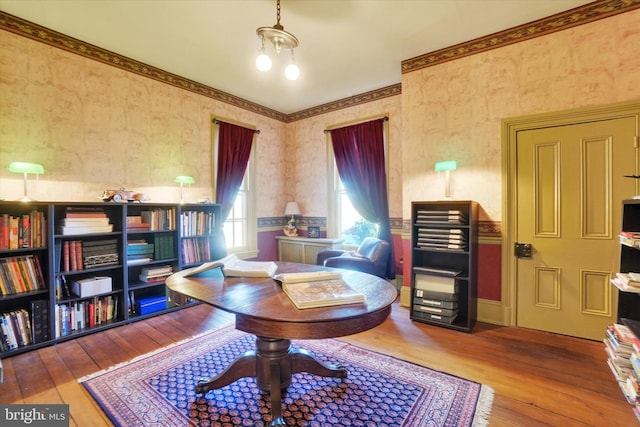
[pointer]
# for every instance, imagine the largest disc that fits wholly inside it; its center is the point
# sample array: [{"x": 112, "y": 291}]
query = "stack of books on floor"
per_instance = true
[
  {"x": 139, "y": 251},
  {"x": 436, "y": 294},
  {"x": 623, "y": 351},
  {"x": 442, "y": 238},
  {"x": 85, "y": 221},
  {"x": 155, "y": 274}
]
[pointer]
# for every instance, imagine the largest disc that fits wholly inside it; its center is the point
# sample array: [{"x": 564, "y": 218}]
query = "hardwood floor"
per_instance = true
[{"x": 539, "y": 379}]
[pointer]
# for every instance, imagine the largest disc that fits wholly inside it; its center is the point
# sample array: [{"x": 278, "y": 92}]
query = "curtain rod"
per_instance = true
[
  {"x": 217, "y": 122},
  {"x": 384, "y": 119}
]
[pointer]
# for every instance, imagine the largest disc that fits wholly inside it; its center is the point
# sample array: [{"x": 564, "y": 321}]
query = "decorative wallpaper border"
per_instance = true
[
  {"x": 561, "y": 21},
  {"x": 306, "y": 221},
  {"x": 558, "y": 22}
]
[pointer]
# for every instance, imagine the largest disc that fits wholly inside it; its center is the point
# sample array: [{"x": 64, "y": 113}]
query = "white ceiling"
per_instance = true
[{"x": 347, "y": 47}]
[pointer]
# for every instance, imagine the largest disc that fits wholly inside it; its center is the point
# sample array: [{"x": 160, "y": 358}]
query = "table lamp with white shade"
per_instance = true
[{"x": 291, "y": 209}]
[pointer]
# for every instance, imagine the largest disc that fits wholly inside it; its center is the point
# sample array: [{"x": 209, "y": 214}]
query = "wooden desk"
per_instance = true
[
  {"x": 264, "y": 310},
  {"x": 304, "y": 249}
]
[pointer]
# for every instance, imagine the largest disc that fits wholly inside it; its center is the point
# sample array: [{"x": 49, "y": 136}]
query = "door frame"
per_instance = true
[{"x": 509, "y": 131}]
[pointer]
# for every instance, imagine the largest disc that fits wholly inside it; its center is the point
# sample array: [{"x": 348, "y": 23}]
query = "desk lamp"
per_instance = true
[
  {"x": 184, "y": 179},
  {"x": 26, "y": 168},
  {"x": 446, "y": 166}
]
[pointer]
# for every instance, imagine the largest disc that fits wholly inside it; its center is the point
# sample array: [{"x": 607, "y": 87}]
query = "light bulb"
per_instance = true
[
  {"x": 263, "y": 62},
  {"x": 292, "y": 72}
]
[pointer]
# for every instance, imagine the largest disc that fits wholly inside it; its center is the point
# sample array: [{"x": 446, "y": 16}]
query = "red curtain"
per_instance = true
[
  {"x": 234, "y": 149},
  {"x": 360, "y": 159}
]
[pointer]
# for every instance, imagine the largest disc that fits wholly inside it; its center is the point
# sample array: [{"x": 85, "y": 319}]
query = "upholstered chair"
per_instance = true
[{"x": 371, "y": 257}]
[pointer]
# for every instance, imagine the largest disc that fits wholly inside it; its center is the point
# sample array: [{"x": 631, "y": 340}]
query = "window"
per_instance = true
[
  {"x": 240, "y": 230},
  {"x": 344, "y": 221}
]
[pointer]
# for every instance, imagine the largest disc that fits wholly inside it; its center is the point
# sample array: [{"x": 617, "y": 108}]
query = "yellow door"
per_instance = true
[{"x": 570, "y": 185}]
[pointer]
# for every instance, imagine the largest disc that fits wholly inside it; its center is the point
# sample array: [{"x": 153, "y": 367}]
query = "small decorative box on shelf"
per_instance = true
[{"x": 151, "y": 304}]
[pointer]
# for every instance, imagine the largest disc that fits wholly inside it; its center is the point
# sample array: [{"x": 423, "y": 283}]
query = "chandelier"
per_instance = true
[{"x": 280, "y": 39}]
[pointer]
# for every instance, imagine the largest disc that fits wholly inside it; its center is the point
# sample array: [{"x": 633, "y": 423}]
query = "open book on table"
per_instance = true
[
  {"x": 232, "y": 266},
  {"x": 318, "y": 289}
]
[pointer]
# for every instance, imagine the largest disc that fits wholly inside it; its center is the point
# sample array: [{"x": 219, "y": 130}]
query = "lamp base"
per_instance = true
[
  {"x": 290, "y": 231},
  {"x": 25, "y": 199}
]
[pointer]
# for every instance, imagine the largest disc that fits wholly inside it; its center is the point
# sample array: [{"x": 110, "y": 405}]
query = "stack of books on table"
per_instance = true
[
  {"x": 435, "y": 294},
  {"x": 85, "y": 221},
  {"x": 139, "y": 251},
  {"x": 623, "y": 351},
  {"x": 318, "y": 289},
  {"x": 155, "y": 274}
]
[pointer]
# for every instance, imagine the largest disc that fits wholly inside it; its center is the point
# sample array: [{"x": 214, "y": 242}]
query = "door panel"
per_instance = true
[{"x": 570, "y": 185}]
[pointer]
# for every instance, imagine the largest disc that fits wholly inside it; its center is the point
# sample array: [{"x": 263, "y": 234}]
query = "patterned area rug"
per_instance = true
[{"x": 158, "y": 389}]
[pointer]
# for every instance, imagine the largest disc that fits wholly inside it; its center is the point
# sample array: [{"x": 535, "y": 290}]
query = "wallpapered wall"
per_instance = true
[
  {"x": 94, "y": 126},
  {"x": 454, "y": 110}
]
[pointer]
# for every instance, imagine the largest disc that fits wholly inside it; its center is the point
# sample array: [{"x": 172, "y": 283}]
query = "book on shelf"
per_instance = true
[
  {"x": 155, "y": 274},
  {"x": 627, "y": 282},
  {"x": 318, "y": 289},
  {"x": 86, "y": 229}
]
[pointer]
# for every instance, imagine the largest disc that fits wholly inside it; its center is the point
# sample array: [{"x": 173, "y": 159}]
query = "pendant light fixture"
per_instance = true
[{"x": 280, "y": 39}]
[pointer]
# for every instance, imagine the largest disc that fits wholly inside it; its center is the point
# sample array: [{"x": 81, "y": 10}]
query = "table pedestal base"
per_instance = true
[{"x": 272, "y": 364}]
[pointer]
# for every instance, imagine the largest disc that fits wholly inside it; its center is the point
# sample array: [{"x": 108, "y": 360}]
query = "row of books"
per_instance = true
[
  {"x": 451, "y": 216},
  {"x": 196, "y": 250},
  {"x": 159, "y": 219},
  {"x": 197, "y": 223},
  {"x": 435, "y": 295},
  {"x": 20, "y": 328},
  {"x": 78, "y": 315},
  {"x": 20, "y": 274},
  {"x": 441, "y": 238},
  {"x": 81, "y": 221},
  {"x": 627, "y": 282},
  {"x": 141, "y": 250},
  {"x": 24, "y": 231},
  {"x": 78, "y": 255},
  {"x": 623, "y": 357}
]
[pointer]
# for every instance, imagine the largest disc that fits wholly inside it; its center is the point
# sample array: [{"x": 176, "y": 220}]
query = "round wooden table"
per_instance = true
[{"x": 261, "y": 308}]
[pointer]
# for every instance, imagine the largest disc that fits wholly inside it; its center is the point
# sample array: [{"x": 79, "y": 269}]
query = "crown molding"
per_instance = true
[
  {"x": 558, "y": 22},
  {"x": 561, "y": 21}
]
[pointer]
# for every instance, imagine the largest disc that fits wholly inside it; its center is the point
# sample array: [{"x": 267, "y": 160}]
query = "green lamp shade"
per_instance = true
[
  {"x": 447, "y": 165},
  {"x": 184, "y": 179},
  {"x": 24, "y": 167}
]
